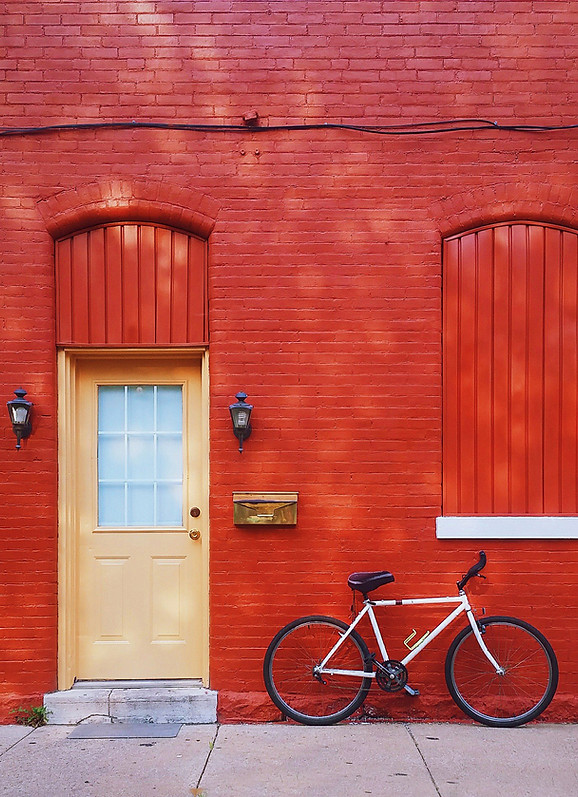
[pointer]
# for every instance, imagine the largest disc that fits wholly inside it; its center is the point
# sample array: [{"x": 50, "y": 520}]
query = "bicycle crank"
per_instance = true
[{"x": 391, "y": 676}]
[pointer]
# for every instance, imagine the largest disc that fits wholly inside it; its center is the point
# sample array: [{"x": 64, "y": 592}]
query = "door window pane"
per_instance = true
[
  {"x": 111, "y": 408},
  {"x": 168, "y": 505},
  {"x": 140, "y": 455},
  {"x": 169, "y": 456},
  {"x": 111, "y": 504},
  {"x": 169, "y": 409},
  {"x": 140, "y": 408},
  {"x": 111, "y": 456},
  {"x": 141, "y": 505}
]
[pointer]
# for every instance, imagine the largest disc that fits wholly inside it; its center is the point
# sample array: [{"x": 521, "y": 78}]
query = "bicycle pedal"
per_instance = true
[{"x": 412, "y": 692}]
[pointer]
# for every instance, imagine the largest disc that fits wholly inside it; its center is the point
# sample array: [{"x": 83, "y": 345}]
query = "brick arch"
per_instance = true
[
  {"x": 506, "y": 202},
  {"x": 111, "y": 201}
]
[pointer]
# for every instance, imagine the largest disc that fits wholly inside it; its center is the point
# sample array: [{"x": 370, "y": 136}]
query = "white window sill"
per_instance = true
[{"x": 507, "y": 527}]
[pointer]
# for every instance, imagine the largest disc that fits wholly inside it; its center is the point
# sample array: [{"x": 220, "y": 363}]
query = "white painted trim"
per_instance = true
[{"x": 507, "y": 527}]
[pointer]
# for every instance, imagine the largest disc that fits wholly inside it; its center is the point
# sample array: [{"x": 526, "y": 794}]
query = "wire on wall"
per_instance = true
[{"x": 410, "y": 129}]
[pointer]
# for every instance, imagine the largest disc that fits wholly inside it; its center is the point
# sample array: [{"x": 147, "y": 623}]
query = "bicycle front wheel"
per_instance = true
[
  {"x": 527, "y": 684},
  {"x": 289, "y": 674}
]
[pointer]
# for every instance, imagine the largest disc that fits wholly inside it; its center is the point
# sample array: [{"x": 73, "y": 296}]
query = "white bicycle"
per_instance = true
[{"x": 499, "y": 670}]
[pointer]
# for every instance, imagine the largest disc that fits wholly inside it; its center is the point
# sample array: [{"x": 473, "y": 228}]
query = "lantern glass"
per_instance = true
[
  {"x": 20, "y": 414},
  {"x": 242, "y": 419}
]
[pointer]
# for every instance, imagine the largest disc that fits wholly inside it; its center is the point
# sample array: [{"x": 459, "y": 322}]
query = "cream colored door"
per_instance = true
[{"x": 140, "y": 577}]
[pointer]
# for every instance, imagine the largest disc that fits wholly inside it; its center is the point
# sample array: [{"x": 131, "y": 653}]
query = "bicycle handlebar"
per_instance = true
[{"x": 473, "y": 571}]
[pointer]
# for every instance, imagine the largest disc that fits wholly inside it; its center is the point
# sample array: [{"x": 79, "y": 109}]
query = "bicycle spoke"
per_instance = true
[
  {"x": 521, "y": 691},
  {"x": 289, "y": 671}
]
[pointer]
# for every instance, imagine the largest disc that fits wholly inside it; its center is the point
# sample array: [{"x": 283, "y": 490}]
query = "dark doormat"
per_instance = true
[{"x": 126, "y": 730}]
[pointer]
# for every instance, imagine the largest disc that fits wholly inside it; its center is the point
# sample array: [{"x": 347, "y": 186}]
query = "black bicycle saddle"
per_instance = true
[{"x": 366, "y": 582}]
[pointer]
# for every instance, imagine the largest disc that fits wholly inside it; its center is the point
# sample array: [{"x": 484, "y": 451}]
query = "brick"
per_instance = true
[{"x": 324, "y": 278}]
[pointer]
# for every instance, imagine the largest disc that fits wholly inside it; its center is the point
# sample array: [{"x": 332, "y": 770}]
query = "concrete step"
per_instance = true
[{"x": 182, "y": 701}]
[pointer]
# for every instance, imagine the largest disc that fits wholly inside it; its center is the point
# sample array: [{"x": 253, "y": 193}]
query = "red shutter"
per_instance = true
[
  {"x": 511, "y": 371},
  {"x": 131, "y": 284}
]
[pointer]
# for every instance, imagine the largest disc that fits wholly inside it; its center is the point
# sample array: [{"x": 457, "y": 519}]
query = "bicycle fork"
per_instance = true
[{"x": 478, "y": 634}]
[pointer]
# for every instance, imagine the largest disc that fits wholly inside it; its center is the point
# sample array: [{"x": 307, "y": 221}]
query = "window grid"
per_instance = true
[{"x": 158, "y": 478}]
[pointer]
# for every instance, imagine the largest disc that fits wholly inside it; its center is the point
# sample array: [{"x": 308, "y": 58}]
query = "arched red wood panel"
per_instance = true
[
  {"x": 511, "y": 371},
  {"x": 131, "y": 284}
]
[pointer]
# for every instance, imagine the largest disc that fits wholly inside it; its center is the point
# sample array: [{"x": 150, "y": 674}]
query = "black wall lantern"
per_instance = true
[
  {"x": 241, "y": 417},
  {"x": 19, "y": 411}
]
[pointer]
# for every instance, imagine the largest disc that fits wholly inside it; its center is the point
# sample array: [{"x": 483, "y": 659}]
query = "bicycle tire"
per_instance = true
[
  {"x": 288, "y": 671},
  {"x": 522, "y": 692}
]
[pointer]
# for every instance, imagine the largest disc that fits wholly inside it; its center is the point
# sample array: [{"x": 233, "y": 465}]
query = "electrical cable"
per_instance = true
[{"x": 414, "y": 128}]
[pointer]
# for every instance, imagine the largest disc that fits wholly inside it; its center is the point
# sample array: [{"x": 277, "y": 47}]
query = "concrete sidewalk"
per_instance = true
[{"x": 284, "y": 760}]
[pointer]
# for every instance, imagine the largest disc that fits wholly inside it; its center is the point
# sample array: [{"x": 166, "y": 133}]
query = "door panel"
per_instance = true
[{"x": 139, "y": 470}]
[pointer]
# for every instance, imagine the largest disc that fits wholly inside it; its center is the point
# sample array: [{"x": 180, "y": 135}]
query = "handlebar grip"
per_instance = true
[
  {"x": 474, "y": 570},
  {"x": 481, "y": 564}
]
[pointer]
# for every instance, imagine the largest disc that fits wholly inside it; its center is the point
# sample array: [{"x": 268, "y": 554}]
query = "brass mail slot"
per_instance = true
[{"x": 265, "y": 509}]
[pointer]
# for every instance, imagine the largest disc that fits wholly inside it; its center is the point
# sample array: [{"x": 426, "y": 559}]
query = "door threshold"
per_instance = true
[{"x": 156, "y": 683}]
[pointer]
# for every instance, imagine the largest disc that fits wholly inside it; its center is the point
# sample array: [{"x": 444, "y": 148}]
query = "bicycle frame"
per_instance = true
[{"x": 368, "y": 608}]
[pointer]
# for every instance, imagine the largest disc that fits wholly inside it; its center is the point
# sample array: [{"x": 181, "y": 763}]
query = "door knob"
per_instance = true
[{"x": 195, "y": 534}]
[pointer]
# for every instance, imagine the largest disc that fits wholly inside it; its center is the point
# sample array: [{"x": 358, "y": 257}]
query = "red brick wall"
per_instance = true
[{"x": 324, "y": 282}]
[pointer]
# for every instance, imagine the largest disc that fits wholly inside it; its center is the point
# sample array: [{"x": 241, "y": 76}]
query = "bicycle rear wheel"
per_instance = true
[
  {"x": 289, "y": 676},
  {"x": 527, "y": 685}
]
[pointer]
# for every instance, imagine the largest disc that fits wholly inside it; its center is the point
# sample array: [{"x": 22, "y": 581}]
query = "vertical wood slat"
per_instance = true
[
  {"x": 511, "y": 371},
  {"x": 485, "y": 366},
  {"x": 569, "y": 426},
  {"x": 164, "y": 286},
  {"x": 552, "y": 364},
  {"x": 180, "y": 254},
  {"x": 500, "y": 473},
  {"x": 97, "y": 285},
  {"x": 536, "y": 240},
  {"x": 79, "y": 281},
  {"x": 468, "y": 370},
  {"x": 113, "y": 289},
  {"x": 198, "y": 320},
  {"x": 131, "y": 284},
  {"x": 64, "y": 289},
  {"x": 147, "y": 283},
  {"x": 451, "y": 289},
  {"x": 519, "y": 363}
]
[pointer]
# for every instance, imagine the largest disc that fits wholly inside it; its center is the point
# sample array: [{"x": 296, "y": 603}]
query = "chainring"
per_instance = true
[{"x": 391, "y": 676}]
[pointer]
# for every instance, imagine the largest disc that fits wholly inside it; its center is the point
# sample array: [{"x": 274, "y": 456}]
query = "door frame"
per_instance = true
[{"x": 68, "y": 361}]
